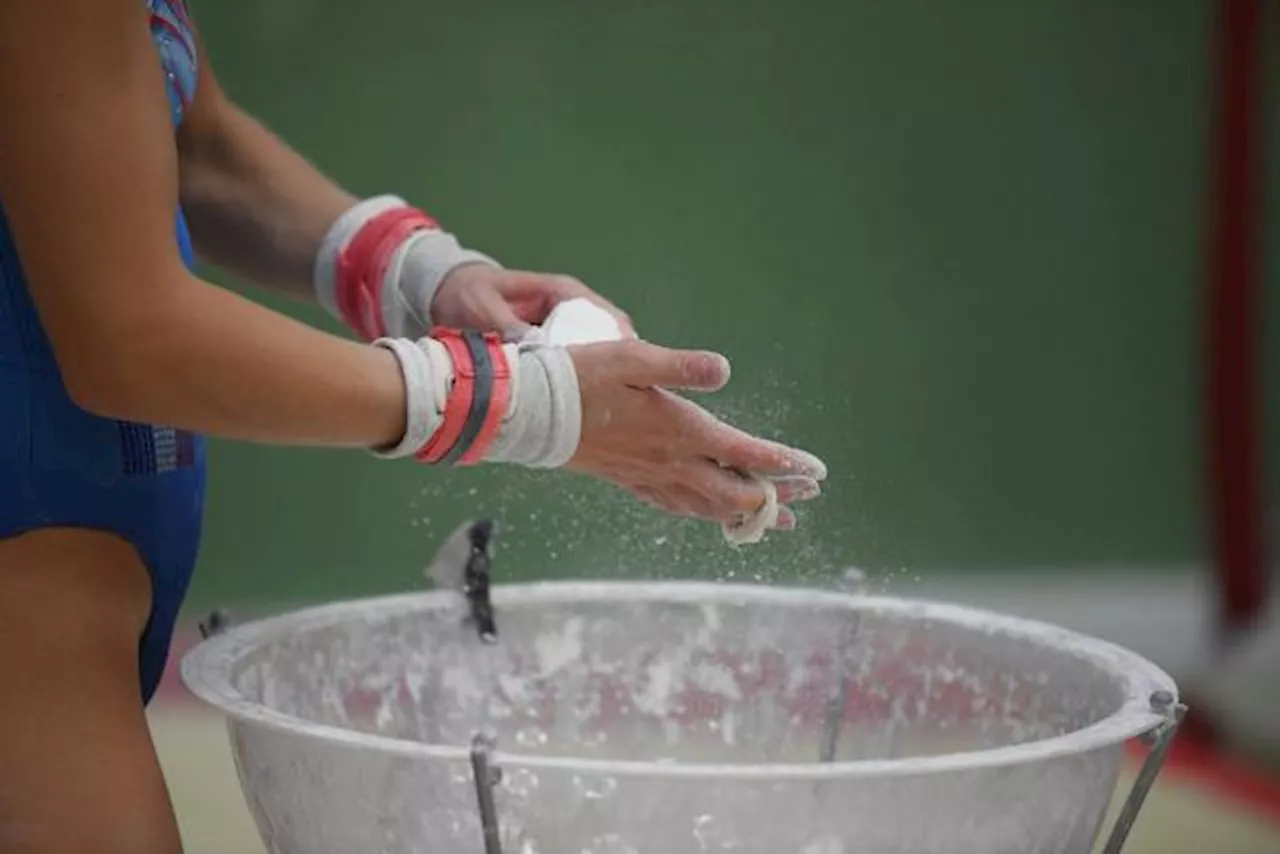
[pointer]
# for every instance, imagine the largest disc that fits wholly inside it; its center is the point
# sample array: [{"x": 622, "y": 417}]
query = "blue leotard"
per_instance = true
[{"x": 61, "y": 466}]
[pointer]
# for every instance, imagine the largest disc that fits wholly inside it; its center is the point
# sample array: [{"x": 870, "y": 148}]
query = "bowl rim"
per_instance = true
[{"x": 206, "y": 670}]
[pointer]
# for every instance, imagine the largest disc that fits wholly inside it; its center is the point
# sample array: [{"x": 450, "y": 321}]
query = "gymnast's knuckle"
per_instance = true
[{"x": 567, "y": 284}]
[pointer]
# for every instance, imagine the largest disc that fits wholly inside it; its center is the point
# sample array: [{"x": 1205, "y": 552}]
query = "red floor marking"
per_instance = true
[{"x": 1192, "y": 760}]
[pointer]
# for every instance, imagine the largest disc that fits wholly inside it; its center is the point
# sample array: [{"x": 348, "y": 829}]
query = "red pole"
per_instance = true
[{"x": 1235, "y": 411}]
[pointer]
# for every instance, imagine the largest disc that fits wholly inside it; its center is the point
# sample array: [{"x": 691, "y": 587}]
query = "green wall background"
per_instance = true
[{"x": 955, "y": 248}]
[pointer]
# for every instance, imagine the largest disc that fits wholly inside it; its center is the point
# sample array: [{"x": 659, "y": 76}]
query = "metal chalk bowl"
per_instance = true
[{"x": 674, "y": 717}]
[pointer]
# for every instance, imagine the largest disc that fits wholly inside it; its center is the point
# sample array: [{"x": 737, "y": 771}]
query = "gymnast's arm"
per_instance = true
[
  {"x": 256, "y": 207},
  {"x": 89, "y": 178}
]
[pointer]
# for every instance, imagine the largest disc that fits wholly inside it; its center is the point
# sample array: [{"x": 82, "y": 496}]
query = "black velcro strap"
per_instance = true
[{"x": 481, "y": 397}]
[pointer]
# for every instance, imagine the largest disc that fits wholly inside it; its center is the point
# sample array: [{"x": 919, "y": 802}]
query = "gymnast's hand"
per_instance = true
[
  {"x": 640, "y": 435},
  {"x": 489, "y": 298},
  {"x": 388, "y": 268},
  {"x": 393, "y": 275}
]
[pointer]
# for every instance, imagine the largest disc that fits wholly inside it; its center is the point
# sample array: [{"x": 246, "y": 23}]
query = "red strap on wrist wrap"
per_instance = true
[
  {"x": 362, "y": 264},
  {"x": 458, "y": 403}
]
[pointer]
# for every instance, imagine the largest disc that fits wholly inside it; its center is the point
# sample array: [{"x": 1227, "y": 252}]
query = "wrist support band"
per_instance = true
[
  {"x": 362, "y": 267},
  {"x": 380, "y": 265},
  {"x": 460, "y": 392}
]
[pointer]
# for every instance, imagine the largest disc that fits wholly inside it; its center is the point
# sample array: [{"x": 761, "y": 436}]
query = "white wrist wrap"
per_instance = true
[
  {"x": 413, "y": 274},
  {"x": 427, "y": 370},
  {"x": 324, "y": 276},
  {"x": 543, "y": 422},
  {"x": 544, "y": 425}
]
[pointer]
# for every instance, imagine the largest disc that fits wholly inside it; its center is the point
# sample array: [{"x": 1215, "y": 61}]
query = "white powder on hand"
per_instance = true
[{"x": 581, "y": 321}]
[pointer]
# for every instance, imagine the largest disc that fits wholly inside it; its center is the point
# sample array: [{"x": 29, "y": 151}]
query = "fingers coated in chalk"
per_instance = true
[
  {"x": 691, "y": 370},
  {"x": 786, "y": 520},
  {"x": 798, "y": 462},
  {"x": 792, "y": 488},
  {"x": 643, "y": 365},
  {"x": 702, "y": 371},
  {"x": 745, "y": 452},
  {"x": 727, "y": 494}
]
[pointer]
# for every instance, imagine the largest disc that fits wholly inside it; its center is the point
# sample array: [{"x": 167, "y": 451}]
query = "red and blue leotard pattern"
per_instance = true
[
  {"x": 63, "y": 467},
  {"x": 172, "y": 32}
]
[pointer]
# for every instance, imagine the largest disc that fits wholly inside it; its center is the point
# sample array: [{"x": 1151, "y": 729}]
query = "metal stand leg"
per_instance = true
[
  {"x": 487, "y": 776},
  {"x": 1159, "y": 738},
  {"x": 853, "y": 581},
  {"x": 218, "y": 621}
]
